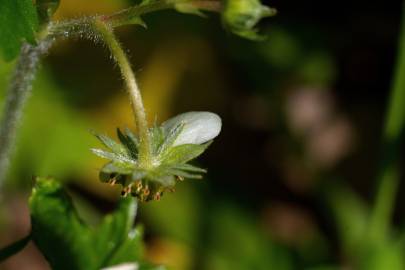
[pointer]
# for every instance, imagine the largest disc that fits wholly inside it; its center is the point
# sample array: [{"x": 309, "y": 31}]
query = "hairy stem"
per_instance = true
[
  {"x": 127, "y": 15},
  {"x": 82, "y": 27},
  {"x": 388, "y": 179},
  {"x": 107, "y": 35},
  {"x": 17, "y": 94}
]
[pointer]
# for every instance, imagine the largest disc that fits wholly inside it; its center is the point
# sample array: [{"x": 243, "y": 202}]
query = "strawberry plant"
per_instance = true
[
  {"x": 149, "y": 161},
  {"x": 146, "y": 162}
]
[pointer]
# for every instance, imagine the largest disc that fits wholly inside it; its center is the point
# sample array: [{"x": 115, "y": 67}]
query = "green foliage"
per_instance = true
[
  {"x": 188, "y": 8},
  {"x": 364, "y": 250},
  {"x": 241, "y": 17},
  {"x": 351, "y": 217},
  {"x": 68, "y": 243},
  {"x": 18, "y": 21},
  {"x": 254, "y": 249}
]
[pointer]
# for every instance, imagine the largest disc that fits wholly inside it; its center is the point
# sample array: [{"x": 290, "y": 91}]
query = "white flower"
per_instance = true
[
  {"x": 199, "y": 127},
  {"x": 124, "y": 266}
]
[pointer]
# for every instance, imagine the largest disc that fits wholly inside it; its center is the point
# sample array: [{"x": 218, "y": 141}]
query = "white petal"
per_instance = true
[
  {"x": 199, "y": 127},
  {"x": 124, "y": 266}
]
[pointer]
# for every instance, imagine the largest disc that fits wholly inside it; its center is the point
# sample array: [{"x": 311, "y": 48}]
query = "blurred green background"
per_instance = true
[{"x": 291, "y": 176}]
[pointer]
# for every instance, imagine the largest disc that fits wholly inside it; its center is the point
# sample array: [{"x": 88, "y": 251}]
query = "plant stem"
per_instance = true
[
  {"x": 127, "y": 15},
  {"x": 17, "y": 94},
  {"x": 81, "y": 27},
  {"x": 388, "y": 177},
  {"x": 20, "y": 85},
  {"x": 107, "y": 35}
]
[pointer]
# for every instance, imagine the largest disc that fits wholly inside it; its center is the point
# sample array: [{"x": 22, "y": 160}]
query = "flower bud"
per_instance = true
[{"x": 241, "y": 16}]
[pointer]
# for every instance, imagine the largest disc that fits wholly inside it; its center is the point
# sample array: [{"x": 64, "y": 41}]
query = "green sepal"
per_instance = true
[
  {"x": 183, "y": 153},
  {"x": 184, "y": 6},
  {"x": 167, "y": 180},
  {"x": 116, "y": 167},
  {"x": 132, "y": 246},
  {"x": 184, "y": 174},
  {"x": 190, "y": 168},
  {"x": 112, "y": 156},
  {"x": 169, "y": 139},
  {"x": 157, "y": 139},
  {"x": 111, "y": 144},
  {"x": 149, "y": 183},
  {"x": 188, "y": 8},
  {"x": 129, "y": 143},
  {"x": 136, "y": 20},
  {"x": 147, "y": 2}
]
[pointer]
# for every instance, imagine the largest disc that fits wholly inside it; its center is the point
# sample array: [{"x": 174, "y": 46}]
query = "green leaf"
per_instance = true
[
  {"x": 387, "y": 255},
  {"x": 165, "y": 180},
  {"x": 13, "y": 248},
  {"x": 68, "y": 243},
  {"x": 132, "y": 136},
  {"x": 115, "y": 230},
  {"x": 131, "y": 247},
  {"x": 57, "y": 229},
  {"x": 18, "y": 23},
  {"x": 188, "y": 8},
  {"x": 184, "y": 153},
  {"x": 174, "y": 143},
  {"x": 128, "y": 16}
]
